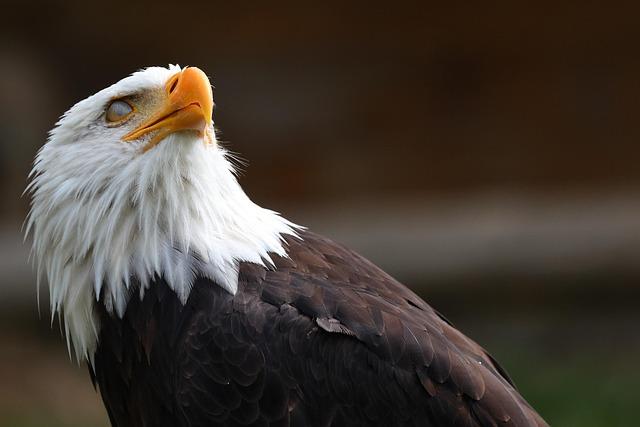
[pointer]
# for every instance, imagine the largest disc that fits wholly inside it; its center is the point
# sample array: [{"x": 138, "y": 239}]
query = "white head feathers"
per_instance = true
[{"x": 105, "y": 212}]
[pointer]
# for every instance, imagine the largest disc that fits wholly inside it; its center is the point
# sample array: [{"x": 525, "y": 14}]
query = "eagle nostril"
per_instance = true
[{"x": 173, "y": 85}]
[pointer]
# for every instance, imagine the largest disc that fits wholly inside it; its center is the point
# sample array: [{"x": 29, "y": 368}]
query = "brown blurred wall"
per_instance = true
[
  {"x": 342, "y": 100},
  {"x": 491, "y": 129}
]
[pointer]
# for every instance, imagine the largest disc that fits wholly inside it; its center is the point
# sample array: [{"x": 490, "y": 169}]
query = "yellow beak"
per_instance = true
[{"x": 188, "y": 106}]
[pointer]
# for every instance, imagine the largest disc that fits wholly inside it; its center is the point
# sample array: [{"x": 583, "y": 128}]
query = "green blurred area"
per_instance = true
[
  {"x": 590, "y": 387},
  {"x": 583, "y": 392},
  {"x": 572, "y": 351}
]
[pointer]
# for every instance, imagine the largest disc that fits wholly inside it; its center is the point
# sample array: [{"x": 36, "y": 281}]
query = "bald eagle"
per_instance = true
[{"x": 193, "y": 306}]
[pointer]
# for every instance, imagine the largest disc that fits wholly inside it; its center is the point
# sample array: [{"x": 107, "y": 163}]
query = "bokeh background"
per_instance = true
[{"x": 487, "y": 156}]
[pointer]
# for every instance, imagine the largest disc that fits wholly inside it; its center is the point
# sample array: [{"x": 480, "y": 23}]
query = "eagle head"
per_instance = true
[{"x": 131, "y": 186}]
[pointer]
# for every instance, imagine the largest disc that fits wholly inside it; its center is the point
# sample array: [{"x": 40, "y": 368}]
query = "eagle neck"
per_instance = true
[{"x": 176, "y": 212}]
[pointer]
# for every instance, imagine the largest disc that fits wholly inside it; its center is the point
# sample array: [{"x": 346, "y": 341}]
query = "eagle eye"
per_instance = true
[{"x": 118, "y": 110}]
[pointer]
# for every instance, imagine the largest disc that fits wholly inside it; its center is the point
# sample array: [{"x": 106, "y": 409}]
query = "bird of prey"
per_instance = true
[{"x": 193, "y": 306}]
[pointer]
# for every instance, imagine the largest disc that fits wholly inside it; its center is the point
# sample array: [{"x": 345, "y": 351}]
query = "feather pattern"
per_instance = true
[{"x": 294, "y": 347}]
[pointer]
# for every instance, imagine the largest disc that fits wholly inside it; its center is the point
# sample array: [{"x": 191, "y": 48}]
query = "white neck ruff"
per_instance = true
[{"x": 175, "y": 211}]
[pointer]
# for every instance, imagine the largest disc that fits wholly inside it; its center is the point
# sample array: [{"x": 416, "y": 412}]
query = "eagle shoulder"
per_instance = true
[
  {"x": 323, "y": 338},
  {"x": 345, "y": 294}
]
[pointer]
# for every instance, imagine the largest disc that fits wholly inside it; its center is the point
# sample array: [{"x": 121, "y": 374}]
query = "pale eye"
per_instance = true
[{"x": 118, "y": 110}]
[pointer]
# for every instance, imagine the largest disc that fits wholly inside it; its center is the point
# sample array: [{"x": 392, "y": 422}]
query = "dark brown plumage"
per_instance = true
[{"x": 324, "y": 339}]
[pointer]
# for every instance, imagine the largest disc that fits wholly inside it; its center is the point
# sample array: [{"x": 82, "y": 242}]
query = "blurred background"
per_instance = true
[{"x": 487, "y": 156}]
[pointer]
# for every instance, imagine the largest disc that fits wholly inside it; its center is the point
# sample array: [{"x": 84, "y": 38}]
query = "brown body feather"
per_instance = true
[{"x": 325, "y": 338}]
